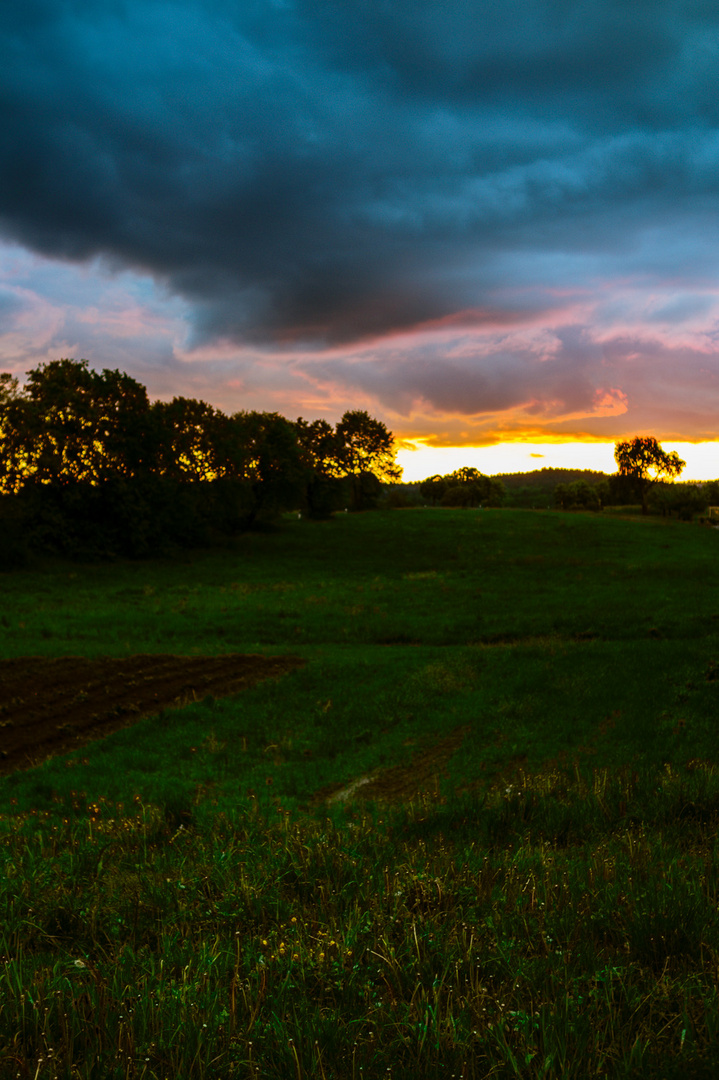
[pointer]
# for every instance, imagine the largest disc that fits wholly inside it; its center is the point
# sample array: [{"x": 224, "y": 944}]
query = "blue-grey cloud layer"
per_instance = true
[{"x": 325, "y": 170}]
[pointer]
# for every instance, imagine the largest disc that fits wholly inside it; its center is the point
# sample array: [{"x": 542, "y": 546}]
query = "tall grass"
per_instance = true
[{"x": 536, "y": 896}]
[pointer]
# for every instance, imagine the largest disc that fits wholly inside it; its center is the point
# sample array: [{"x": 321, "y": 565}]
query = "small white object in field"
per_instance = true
[
  {"x": 299, "y": 515},
  {"x": 348, "y": 792}
]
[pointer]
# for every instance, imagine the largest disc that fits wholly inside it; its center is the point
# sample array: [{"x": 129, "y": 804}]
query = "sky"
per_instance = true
[{"x": 493, "y": 224}]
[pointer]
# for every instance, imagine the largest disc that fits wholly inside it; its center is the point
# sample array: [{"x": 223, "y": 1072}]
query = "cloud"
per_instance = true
[
  {"x": 317, "y": 173},
  {"x": 477, "y": 219}
]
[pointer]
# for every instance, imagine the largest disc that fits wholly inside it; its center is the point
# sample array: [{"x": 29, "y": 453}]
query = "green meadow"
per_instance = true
[{"x": 526, "y": 884}]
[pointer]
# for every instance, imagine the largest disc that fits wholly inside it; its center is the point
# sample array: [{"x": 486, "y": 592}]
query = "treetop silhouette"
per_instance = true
[
  {"x": 88, "y": 462},
  {"x": 644, "y": 461}
]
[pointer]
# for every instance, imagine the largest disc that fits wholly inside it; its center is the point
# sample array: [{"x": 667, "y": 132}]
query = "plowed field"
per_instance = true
[{"x": 52, "y": 706}]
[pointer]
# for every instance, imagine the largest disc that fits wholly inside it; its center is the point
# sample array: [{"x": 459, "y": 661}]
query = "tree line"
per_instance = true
[{"x": 90, "y": 466}]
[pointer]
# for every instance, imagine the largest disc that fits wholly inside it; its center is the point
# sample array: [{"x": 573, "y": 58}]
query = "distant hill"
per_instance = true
[{"x": 549, "y": 478}]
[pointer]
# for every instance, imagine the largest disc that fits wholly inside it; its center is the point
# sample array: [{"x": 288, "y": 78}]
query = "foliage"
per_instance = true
[
  {"x": 401, "y": 496},
  {"x": 465, "y": 487},
  {"x": 326, "y": 488},
  {"x": 272, "y": 465},
  {"x": 191, "y": 441},
  {"x": 710, "y": 490},
  {"x": 321, "y": 448},
  {"x": 92, "y": 467},
  {"x": 345, "y": 466},
  {"x": 547, "y": 479},
  {"x": 71, "y": 424},
  {"x": 644, "y": 461},
  {"x": 14, "y": 552},
  {"x": 577, "y": 496},
  {"x": 433, "y": 488},
  {"x": 366, "y": 446},
  {"x": 684, "y": 501},
  {"x": 367, "y": 456}
]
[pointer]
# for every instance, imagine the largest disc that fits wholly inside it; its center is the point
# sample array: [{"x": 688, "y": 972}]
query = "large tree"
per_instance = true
[
  {"x": 69, "y": 424},
  {"x": 268, "y": 455},
  {"x": 367, "y": 446},
  {"x": 367, "y": 454},
  {"x": 645, "y": 463},
  {"x": 190, "y": 436}
]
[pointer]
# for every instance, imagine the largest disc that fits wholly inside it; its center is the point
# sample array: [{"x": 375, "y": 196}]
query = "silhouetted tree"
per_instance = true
[
  {"x": 367, "y": 455},
  {"x": 463, "y": 487},
  {"x": 70, "y": 424},
  {"x": 321, "y": 453},
  {"x": 480, "y": 490},
  {"x": 272, "y": 464},
  {"x": 72, "y": 441},
  {"x": 645, "y": 463},
  {"x": 433, "y": 488},
  {"x": 189, "y": 439},
  {"x": 8, "y": 387}
]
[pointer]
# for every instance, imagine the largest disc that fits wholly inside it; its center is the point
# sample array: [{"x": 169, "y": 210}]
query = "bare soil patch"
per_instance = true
[
  {"x": 52, "y": 706},
  {"x": 400, "y": 782}
]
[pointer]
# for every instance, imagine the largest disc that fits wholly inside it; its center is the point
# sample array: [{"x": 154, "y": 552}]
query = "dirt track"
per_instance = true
[{"x": 52, "y": 706}]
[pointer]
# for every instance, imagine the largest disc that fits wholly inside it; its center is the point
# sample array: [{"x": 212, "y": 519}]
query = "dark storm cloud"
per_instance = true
[{"x": 325, "y": 170}]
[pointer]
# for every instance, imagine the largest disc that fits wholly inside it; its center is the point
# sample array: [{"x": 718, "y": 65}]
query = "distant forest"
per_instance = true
[{"x": 549, "y": 478}]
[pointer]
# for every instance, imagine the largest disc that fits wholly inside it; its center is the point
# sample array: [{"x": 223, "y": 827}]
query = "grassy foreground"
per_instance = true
[{"x": 535, "y": 896}]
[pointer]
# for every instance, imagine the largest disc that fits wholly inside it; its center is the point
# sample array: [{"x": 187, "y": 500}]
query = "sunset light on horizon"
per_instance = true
[
  {"x": 421, "y": 461},
  {"x": 488, "y": 232}
]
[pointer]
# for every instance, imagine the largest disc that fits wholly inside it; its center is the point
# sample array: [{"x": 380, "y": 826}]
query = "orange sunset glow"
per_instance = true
[{"x": 419, "y": 461}]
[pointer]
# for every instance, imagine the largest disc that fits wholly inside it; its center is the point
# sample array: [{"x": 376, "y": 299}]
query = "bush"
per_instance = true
[
  {"x": 459, "y": 495},
  {"x": 366, "y": 491},
  {"x": 577, "y": 496},
  {"x": 401, "y": 496},
  {"x": 678, "y": 500},
  {"x": 326, "y": 494}
]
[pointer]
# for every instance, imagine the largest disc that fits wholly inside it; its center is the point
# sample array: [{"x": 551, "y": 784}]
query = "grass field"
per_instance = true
[{"x": 526, "y": 885}]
